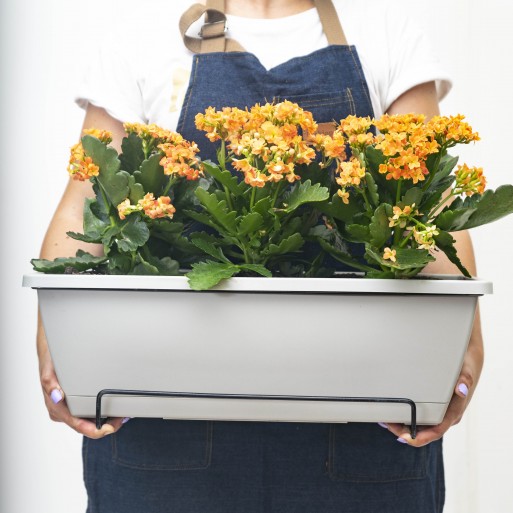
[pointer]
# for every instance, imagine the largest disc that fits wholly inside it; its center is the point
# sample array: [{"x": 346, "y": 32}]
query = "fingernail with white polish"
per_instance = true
[
  {"x": 402, "y": 440},
  {"x": 56, "y": 396},
  {"x": 383, "y": 425},
  {"x": 462, "y": 388},
  {"x": 125, "y": 420}
]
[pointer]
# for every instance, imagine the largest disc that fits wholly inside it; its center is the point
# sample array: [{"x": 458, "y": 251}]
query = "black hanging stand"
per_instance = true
[{"x": 189, "y": 395}]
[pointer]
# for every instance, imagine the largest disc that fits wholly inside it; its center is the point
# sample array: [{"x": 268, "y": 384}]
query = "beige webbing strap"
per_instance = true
[
  {"x": 330, "y": 22},
  {"x": 212, "y": 35}
]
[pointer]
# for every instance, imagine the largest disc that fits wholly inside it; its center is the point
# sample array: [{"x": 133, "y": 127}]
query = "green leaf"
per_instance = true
[
  {"x": 218, "y": 210},
  {"x": 257, "y": 268},
  {"x": 380, "y": 232},
  {"x": 203, "y": 218},
  {"x": 114, "y": 183},
  {"x": 84, "y": 238},
  {"x": 447, "y": 164},
  {"x": 358, "y": 232},
  {"x": 119, "y": 263},
  {"x": 250, "y": 223},
  {"x": 445, "y": 242},
  {"x": 136, "y": 190},
  {"x": 151, "y": 175},
  {"x": 337, "y": 209},
  {"x": 343, "y": 256},
  {"x": 453, "y": 220},
  {"x": 206, "y": 275},
  {"x": 490, "y": 206},
  {"x": 407, "y": 258},
  {"x": 81, "y": 262},
  {"x": 288, "y": 245},
  {"x": 135, "y": 233},
  {"x": 413, "y": 195},
  {"x": 372, "y": 189},
  {"x": 132, "y": 153},
  {"x": 144, "y": 268},
  {"x": 433, "y": 195},
  {"x": 305, "y": 192},
  {"x": 225, "y": 178},
  {"x": 204, "y": 242}
]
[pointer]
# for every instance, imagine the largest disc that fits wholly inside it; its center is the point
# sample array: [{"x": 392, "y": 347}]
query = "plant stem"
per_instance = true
[
  {"x": 253, "y": 196},
  {"x": 436, "y": 207},
  {"x": 398, "y": 192},
  {"x": 170, "y": 183},
  {"x": 276, "y": 193},
  {"x": 107, "y": 204},
  {"x": 367, "y": 203}
]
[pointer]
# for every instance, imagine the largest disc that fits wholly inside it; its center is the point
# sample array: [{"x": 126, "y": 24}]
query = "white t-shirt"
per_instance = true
[{"x": 143, "y": 74}]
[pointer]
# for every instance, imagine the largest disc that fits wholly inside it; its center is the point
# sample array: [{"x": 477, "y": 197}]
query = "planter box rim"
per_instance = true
[{"x": 427, "y": 284}]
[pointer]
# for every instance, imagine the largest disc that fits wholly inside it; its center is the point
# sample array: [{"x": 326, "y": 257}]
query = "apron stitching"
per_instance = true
[{"x": 362, "y": 80}]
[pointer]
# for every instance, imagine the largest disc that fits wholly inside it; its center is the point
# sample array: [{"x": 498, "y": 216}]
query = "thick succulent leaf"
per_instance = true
[
  {"x": 372, "y": 189},
  {"x": 151, "y": 175},
  {"x": 433, "y": 195},
  {"x": 380, "y": 232},
  {"x": 445, "y": 242},
  {"x": 337, "y": 209},
  {"x": 305, "y": 192},
  {"x": 206, "y": 275},
  {"x": 288, "y": 245},
  {"x": 250, "y": 223},
  {"x": 132, "y": 155},
  {"x": 358, "y": 232},
  {"x": 446, "y": 166},
  {"x": 413, "y": 195},
  {"x": 489, "y": 207},
  {"x": 453, "y": 220},
  {"x": 225, "y": 178},
  {"x": 406, "y": 258},
  {"x": 136, "y": 190},
  {"x": 114, "y": 183},
  {"x": 218, "y": 210},
  {"x": 204, "y": 242},
  {"x": 257, "y": 268},
  {"x": 81, "y": 262},
  {"x": 134, "y": 233}
]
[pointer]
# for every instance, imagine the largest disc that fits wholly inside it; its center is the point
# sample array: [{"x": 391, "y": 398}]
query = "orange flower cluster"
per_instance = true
[
  {"x": 402, "y": 215},
  {"x": 180, "y": 159},
  {"x": 357, "y": 131},
  {"x": 266, "y": 138},
  {"x": 406, "y": 142},
  {"x": 81, "y": 167},
  {"x": 425, "y": 238},
  {"x": 152, "y": 133},
  {"x": 104, "y": 135},
  {"x": 390, "y": 254},
  {"x": 153, "y": 208},
  {"x": 449, "y": 131},
  {"x": 469, "y": 180},
  {"x": 349, "y": 173}
]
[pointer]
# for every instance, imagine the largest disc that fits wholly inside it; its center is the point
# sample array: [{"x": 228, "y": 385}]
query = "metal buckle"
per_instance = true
[{"x": 211, "y": 31}]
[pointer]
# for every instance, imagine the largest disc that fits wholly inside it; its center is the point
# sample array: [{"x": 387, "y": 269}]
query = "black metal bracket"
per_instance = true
[{"x": 195, "y": 395}]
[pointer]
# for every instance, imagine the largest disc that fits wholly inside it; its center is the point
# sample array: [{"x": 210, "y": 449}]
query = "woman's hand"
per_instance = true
[
  {"x": 69, "y": 217},
  {"x": 56, "y": 402},
  {"x": 465, "y": 386}
]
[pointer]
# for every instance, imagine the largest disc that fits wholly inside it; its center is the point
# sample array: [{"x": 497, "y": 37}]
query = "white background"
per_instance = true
[{"x": 43, "y": 44}]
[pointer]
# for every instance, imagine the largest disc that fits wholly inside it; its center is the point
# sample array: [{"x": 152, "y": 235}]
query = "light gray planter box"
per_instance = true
[{"x": 297, "y": 337}]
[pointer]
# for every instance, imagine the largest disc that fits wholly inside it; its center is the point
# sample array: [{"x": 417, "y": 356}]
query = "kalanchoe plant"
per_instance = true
[
  {"x": 280, "y": 197},
  {"x": 399, "y": 194}
]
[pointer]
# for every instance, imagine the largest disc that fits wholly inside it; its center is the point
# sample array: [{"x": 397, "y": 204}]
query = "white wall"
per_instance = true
[{"x": 42, "y": 45}]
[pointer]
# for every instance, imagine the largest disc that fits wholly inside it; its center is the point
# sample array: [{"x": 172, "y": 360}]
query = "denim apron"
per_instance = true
[{"x": 165, "y": 466}]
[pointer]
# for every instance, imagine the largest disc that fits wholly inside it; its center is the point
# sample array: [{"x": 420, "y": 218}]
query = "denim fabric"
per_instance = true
[
  {"x": 159, "y": 466},
  {"x": 329, "y": 83}
]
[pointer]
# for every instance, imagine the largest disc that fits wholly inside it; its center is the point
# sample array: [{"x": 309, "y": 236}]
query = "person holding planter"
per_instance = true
[{"x": 157, "y": 465}]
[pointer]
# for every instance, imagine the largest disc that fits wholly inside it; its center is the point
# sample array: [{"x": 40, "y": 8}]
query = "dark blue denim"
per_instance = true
[{"x": 164, "y": 466}]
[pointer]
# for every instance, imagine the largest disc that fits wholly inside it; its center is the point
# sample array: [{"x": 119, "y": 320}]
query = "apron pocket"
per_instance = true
[
  {"x": 325, "y": 107},
  {"x": 156, "y": 444},
  {"x": 371, "y": 454}
]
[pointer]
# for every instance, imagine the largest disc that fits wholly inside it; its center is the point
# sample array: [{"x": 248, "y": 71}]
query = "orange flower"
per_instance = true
[
  {"x": 104, "y": 135},
  {"x": 180, "y": 159},
  {"x": 350, "y": 173},
  {"x": 157, "y": 208},
  {"x": 452, "y": 130},
  {"x": 469, "y": 181},
  {"x": 390, "y": 254},
  {"x": 344, "y": 195},
  {"x": 425, "y": 238},
  {"x": 81, "y": 167},
  {"x": 402, "y": 216}
]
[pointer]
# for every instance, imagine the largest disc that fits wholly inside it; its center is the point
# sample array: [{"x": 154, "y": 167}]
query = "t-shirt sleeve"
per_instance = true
[
  {"x": 110, "y": 80},
  {"x": 412, "y": 57}
]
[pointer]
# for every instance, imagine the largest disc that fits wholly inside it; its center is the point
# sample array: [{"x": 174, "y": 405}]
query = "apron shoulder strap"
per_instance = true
[
  {"x": 212, "y": 36},
  {"x": 330, "y": 22}
]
